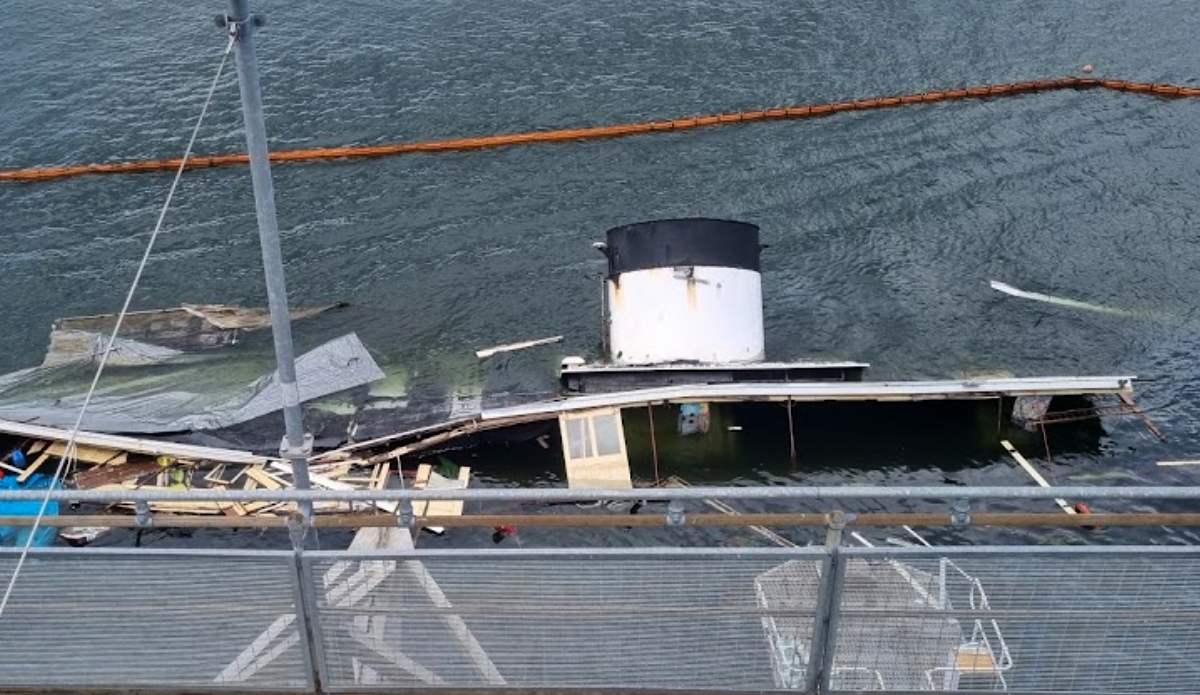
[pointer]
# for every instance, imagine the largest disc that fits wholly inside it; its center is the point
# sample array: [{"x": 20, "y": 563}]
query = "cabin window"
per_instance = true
[
  {"x": 579, "y": 439},
  {"x": 593, "y": 444},
  {"x": 608, "y": 435},
  {"x": 589, "y": 436}
]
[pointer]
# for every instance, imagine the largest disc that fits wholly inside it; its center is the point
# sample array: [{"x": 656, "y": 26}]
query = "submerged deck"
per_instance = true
[
  {"x": 483, "y": 419},
  {"x": 957, "y": 389}
]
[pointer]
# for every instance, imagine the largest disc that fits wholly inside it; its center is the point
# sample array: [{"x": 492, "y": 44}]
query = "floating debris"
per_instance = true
[
  {"x": 148, "y": 336},
  {"x": 181, "y": 399},
  {"x": 510, "y": 347},
  {"x": 1058, "y": 301}
]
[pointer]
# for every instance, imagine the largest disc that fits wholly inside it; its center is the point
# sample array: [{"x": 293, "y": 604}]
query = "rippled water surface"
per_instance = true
[{"x": 884, "y": 227}]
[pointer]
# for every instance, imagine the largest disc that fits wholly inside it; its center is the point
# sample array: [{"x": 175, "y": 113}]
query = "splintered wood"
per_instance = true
[
  {"x": 109, "y": 474},
  {"x": 109, "y": 468},
  {"x": 428, "y": 479},
  {"x": 110, "y": 462}
]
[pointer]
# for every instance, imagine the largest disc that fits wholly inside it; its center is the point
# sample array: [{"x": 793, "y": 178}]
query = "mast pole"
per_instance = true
[{"x": 296, "y": 446}]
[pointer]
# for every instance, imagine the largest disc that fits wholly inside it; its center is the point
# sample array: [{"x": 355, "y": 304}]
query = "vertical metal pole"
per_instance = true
[
  {"x": 604, "y": 316},
  {"x": 653, "y": 443},
  {"x": 830, "y": 639},
  {"x": 791, "y": 434},
  {"x": 296, "y": 446},
  {"x": 820, "y": 653},
  {"x": 307, "y": 611}
]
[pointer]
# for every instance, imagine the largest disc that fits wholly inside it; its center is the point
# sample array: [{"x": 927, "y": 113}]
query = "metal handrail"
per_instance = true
[
  {"x": 648, "y": 519},
  {"x": 937, "y": 492}
]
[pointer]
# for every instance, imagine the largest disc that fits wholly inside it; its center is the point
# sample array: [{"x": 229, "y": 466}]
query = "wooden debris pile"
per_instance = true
[
  {"x": 110, "y": 468},
  {"x": 180, "y": 474},
  {"x": 115, "y": 462}
]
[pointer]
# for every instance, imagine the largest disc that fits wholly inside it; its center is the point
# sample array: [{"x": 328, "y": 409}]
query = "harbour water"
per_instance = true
[{"x": 884, "y": 228}]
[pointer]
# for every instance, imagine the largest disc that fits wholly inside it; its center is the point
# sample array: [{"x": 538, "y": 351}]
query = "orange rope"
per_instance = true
[{"x": 612, "y": 131}]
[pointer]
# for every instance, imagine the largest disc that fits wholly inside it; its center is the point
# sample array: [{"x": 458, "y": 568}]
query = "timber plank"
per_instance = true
[
  {"x": 448, "y": 507},
  {"x": 132, "y": 444},
  {"x": 103, "y": 475},
  {"x": 419, "y": 483},
  {"x": 31, "y": 468},
  {"x": 263, "y": 478}
]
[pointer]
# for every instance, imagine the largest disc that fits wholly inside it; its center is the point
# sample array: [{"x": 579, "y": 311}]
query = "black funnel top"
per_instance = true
[{"x": 693, "y": 241}]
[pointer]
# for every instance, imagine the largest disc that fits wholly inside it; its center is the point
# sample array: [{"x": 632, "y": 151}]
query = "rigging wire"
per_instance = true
[{"x": 69, "y": 455}]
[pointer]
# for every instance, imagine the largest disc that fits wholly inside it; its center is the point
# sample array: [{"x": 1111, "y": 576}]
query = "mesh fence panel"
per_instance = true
[
  {"x": 612, "y": 619},
  {"x": 155, "y": 619},
  {"x": 1029, "y": 621},
  {"x": 1083, "y": 620}
]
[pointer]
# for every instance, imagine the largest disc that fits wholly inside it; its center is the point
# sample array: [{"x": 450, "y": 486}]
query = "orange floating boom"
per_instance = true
[{"x": 611, "y": 131}]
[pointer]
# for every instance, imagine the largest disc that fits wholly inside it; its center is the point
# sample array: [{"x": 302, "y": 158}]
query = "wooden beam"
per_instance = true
[
  {"x": 1137, "y": 410},
  {"x": 325, "y": 483},
  {"x": 263, "y": 478},
  {"x": 132, "y": 444},
  {"x": 1037, "y": 477},
  {"x": 32, "y": 468},
  {"x": 345, "y": 452},
  {"x": 448, "y": 507},
  {"x": 724, "y": 508},
  {"x": 470, "y": 426},
  {"x": 106, "y": 475},
  {"x": 214, "y": 476},
  {"x": 509, "y": 347},
  {"x": 423, "y": 472},
  {"x": 83, "y": 452},
  {"x": 382, "y": 472}
]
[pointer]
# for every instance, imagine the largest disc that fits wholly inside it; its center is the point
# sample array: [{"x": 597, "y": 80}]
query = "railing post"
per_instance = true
[
  {"x": 306, "y": 603},
  {"x": 820, "y": 657}
]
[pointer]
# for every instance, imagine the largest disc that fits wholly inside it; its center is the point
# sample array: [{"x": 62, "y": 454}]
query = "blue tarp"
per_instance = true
[{"x": 11, "y": 536}]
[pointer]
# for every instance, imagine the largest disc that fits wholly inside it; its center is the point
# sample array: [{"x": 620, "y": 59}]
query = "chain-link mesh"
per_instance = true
[
  {"x": 1080, "y": 620},
  {"x": 636, "y": 619},
  {"x": 161, "y": 619},
  {"x": 1073, "y": 621}
]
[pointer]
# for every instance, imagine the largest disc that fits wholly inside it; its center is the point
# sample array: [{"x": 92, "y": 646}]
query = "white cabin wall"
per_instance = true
[{"x": 657, "y": 316}]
